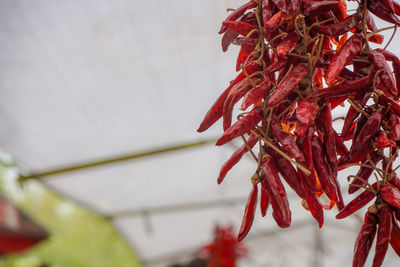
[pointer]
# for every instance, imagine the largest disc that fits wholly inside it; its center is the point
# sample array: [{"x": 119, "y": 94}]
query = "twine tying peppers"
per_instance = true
[{"x": 298, "y": 61}]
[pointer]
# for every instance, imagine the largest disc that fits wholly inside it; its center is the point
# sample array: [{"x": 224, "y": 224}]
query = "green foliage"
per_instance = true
[{"x": 78, "y": 238}]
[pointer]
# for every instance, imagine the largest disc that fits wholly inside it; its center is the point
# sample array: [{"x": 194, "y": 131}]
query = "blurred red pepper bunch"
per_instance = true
[
  {"x": 299, "y": 60},
  {"x": 225, "y": 250}
]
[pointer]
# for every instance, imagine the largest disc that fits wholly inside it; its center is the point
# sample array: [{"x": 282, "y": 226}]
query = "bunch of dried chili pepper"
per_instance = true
[{"x": 300, "y": 60}]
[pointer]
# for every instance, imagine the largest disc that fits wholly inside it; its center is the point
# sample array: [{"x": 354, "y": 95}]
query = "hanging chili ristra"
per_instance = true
[{"x": 294, "y": 58}]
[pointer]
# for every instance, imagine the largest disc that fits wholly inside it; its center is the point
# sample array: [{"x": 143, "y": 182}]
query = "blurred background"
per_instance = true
[{"x": 99, "y": 105}]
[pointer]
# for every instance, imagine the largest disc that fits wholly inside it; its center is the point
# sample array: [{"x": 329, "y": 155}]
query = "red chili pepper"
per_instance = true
[
  {"x": 376, "y": 38},
  {"x": 215, "y": 112},
  {"x": 370, "y": 128},
  {"x": 305, "y": 116},
  {"x": 278, "y": 63},
  {"x": 382, "y": 141},
  {"x": 386, "y": 73},
  {"x": 287, "y": 44},
  {"x": 352, "y": 114},
  {"x": 364, "y": 173},
  {"x": 242, "y": 126},
  {"x": 390, "y": 194},
  {"x": 351, "y": 48},
  {"x": 343, "y": 89},
  {"x": 248, "y": 213},
  {"x": 288, "y": 142},
  {"x": 395, "y": 238},
  {"x": 364, "y": 240},
  {"x": 227, "y": 39},
  {"x": 394, "y": 124},
  {"x": 276, "y": 191},
  {"x": 235, "y": 94},
  {"x": 281, "y": 5},
  {"x": 323, "y": 169},
  {"x": 255, "y": 94},
  {"x": 272, "y": 22},
  {"x": 237, "y": 14},
  {"x": 244, "y": 54},
  {"x": 267, "y": 9},
  {"x": 315, "y": 208},
  {"x": 235, "y": 158},
  {"x": 360, "y": 201},
  {"x": 388, "y": 4},
  {"x": 305, "y": 144},
  {"x": 382, "y": 12},
  {"x": 288, "y": 84},
  {"x": 342, "y": 27},
  {"x": 242, "y": 28},
  {"x": 325, "y": 119},
  {"x": 288, "y": 172},
  {"x": 264, "y": 202},
  {"x": 340, "y": 146},
  {"x": 315, "y": 7},
  {"x": 385, "y": 218}
]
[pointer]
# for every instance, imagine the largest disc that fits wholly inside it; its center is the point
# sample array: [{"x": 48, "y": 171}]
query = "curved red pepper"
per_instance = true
[
  {"x": 288, "y": 172},
  {"x": 364, "y": 173},
  {"x": 288, "y": 84},
  {"x": 264, "y": 202},
  {"x": 287, "y": 44},
  {"x": 235, "y": 158},
  {"x": 370, "y": 128},
  {"x": 382, "y": 12},
  {"x": 323, "y": 169},
  {"x": 255, "y": 94},
  {"x": 342, "y": 27},
  {"x": 390, "y": 194},
  {"x": 276, "y": 191},
  {"x": 385, "y": 218},
  {"x": 386, "y": 73},
  {"x": 382, "y": 141},
  {"x": 237, "y": 14},
  {"x": 242, "y": 126},
  {"x": 351, "y": 48},
  {"x": 288, "y": 142},
  {"x": 395, "y": 238},
  {"x": 343, "y": 89},
  {"x": 360, "y": 201},
  {"x": 316, "y": 7},
  {"x": 241, "y": 27},
  {"x": 249, "y": 212},
  {"x": 364, "y": 240}
]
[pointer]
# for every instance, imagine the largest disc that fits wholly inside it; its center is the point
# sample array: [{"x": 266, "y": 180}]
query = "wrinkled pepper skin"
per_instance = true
[
  {"x": 276, "y": 191},
  {"x": 288, "y": 84},
  {"x": 248, "y": 213},
  {"x": 264, "y": 202},
  {"x": 235, "y": 158},
  {"x": 322, "y": 169},
  {"x": 351, "y": 48},
  {"x": 356, "y": 204},
  {"x": 386, "y": 73},
  {"x": 341, "y": 27},
  {"x": 242, "y": 126},
  {"x": 370, "y": 128},
  {"x": 391, "y": 195},
  {"x": 384, "y": 232},
  {"x": 364, "y": 240}
]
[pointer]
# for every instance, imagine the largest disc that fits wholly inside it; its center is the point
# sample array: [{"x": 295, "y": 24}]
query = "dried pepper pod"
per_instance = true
[
  {"x": 276, "y": 191},
  {"x": 364, "y": 240},
  {"x": 384, "y": 232},
  {"x": 249, "y": 211}
]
